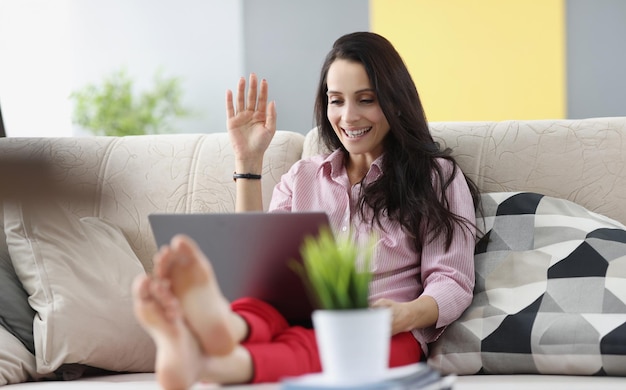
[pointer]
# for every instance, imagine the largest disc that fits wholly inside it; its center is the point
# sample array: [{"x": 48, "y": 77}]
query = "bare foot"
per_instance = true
[
  {"x": 178, "y": 360},
  {"x": 204, "y": 307}
]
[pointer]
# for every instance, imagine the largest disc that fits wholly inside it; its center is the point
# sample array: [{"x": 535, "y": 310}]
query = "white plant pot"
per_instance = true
[{"x": 353, "y": 344}]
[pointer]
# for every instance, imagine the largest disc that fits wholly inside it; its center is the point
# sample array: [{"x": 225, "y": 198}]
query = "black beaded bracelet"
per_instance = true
[{"x": 250, "y": 176}]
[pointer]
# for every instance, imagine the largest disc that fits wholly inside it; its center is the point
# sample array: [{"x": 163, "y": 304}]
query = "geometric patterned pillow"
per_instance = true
[{"x": 550, "y": 294}]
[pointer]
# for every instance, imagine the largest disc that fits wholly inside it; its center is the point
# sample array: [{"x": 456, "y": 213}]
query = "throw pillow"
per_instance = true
[
  {"x": 17, "y": 364},
  {"x": 78, "y": 274},
  {"x": 16, "y": 316},
  {"x": 550, "y": 294}
]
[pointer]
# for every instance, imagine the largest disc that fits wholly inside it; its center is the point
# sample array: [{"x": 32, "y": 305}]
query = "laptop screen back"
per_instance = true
[{"x": 251, "y": 253}]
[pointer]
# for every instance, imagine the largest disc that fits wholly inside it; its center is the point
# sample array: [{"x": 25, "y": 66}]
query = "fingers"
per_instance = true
[
  {"x": 270, "y": 117},
  {"x": 241, "y": 89},
  {"x": 252, "y": 92},
  {"x": 230, "y": 109},
  {"x": 261, "y": 104},
  {"x": 382, "y": 302},
  {"x": 248, "y": 101}
]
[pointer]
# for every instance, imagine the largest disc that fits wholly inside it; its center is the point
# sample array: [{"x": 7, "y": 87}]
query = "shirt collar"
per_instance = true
[{"x": 333, "y": 166}]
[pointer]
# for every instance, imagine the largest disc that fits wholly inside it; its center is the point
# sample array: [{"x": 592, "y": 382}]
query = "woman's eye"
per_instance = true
[
  {"x": 334, "y": 101},
  {"x": 367, "y": 101}
]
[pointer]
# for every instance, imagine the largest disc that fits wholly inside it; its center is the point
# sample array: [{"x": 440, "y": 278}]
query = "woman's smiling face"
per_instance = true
[{"x": 354, "y": 111}]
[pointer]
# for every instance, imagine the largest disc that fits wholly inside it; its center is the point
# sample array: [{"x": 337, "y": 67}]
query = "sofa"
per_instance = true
[{"x": 550, "y": 301}]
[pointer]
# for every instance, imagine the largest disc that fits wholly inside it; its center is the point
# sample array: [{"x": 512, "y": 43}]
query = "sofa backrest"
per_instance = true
[
  {"x": 125, "y": 179},
  {"x": 580, "y": 160}
]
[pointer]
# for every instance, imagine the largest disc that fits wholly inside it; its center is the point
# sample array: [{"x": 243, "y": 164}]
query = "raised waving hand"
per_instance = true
[{"x": 251, "y": 123}]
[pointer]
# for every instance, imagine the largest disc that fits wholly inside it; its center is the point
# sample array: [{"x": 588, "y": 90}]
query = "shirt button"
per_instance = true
[{"x": 345, "y": 228}]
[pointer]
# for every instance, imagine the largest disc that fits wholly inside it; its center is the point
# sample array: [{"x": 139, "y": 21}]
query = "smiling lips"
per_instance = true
[{"x": 357, "y": 132}]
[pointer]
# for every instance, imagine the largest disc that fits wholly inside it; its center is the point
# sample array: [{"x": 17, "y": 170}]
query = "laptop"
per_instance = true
[{"x": 251, "y": 253}]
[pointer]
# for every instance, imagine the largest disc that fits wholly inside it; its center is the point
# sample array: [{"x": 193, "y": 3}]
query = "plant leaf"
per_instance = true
[{"x": 331, "y": 271}]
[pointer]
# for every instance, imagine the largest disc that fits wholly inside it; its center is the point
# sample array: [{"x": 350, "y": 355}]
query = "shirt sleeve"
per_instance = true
[
  {"x": 283, "y": 193},
  {"x": 448, "y": 275}
]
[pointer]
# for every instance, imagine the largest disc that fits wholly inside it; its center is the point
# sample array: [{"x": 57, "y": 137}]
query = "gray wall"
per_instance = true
[
  {"x": 286, "y": 42},
  {"x": 596, "y": 58}
]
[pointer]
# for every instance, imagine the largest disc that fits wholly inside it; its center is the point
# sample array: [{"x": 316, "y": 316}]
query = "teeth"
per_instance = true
[{"x": 356, "y": 133}]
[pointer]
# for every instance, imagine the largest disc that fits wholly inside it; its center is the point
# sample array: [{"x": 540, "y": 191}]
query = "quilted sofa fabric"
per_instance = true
[
  {"x": 123, "y": 180},
  {"x": 550, "y": 295},
  {"x": 126, "y": 178},
  {"x": 582, "y": 160}
]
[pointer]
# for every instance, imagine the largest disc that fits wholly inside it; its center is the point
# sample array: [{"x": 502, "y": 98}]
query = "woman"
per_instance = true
[{"x": 384, "y": 174}]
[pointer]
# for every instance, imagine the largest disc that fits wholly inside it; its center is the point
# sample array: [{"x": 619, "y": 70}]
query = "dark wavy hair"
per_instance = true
[{"x": 404, "y": 192}]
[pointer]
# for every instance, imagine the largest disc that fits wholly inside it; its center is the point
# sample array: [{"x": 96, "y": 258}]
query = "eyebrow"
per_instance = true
[{"x": 356, "y": 92}]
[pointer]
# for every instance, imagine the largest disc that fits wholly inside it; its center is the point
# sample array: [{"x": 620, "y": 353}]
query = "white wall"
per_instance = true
[
  {"x": 50, "y": 48},
  {"x": 35, "y": 67},
  {"x": 199, "y": 41}
]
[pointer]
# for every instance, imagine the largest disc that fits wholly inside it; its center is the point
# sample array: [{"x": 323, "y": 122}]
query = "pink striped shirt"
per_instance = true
[{"x": 321, "y": 183}]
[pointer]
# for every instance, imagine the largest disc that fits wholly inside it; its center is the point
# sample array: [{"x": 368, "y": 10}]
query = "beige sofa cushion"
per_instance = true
[
  {"x": 125, "y": 179},
  {"x": 78, "y": 274},
  {"x": 580, "y": 160}
]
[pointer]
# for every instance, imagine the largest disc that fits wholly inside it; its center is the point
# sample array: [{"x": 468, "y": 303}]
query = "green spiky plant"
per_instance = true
[
  {"x": 112, "y": 109},
  {"x": 332, "y": 274}
]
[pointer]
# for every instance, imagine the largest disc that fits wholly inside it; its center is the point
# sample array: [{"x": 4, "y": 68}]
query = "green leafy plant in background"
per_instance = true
[
  {"x": 332, "y": 273},
  {"x": 111, "y": 108}
]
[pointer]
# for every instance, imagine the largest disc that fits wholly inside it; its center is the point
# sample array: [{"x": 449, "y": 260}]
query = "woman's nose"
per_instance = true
[{"x": 350, "y": 113}]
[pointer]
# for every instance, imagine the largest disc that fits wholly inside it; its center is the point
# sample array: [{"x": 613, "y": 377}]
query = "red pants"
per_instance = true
[{"x": 279, "y": 350}]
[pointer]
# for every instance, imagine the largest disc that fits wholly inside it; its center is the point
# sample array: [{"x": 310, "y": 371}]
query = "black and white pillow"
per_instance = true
[{"x": 550, "y": 295}]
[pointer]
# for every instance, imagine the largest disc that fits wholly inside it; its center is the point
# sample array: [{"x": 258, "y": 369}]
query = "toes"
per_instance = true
[
  {"x": 141, "y": 287},
  {"x": 187, "y": 249},
  {"x": 169, "y": 304},
  {"x": 163, "y": 261},
  {"x": 185, "y": 287},
  {"x": 154, "y": 303},
  {"x": 182, "y": 253}
]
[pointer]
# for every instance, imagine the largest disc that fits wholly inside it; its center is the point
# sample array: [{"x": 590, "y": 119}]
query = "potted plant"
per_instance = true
[
  {"x": 112, "y": 109},
  {"x": 353, "y": 339}
]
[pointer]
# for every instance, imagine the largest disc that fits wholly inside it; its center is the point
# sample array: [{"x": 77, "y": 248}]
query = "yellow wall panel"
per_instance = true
[{"x": 480, "y": 59}]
